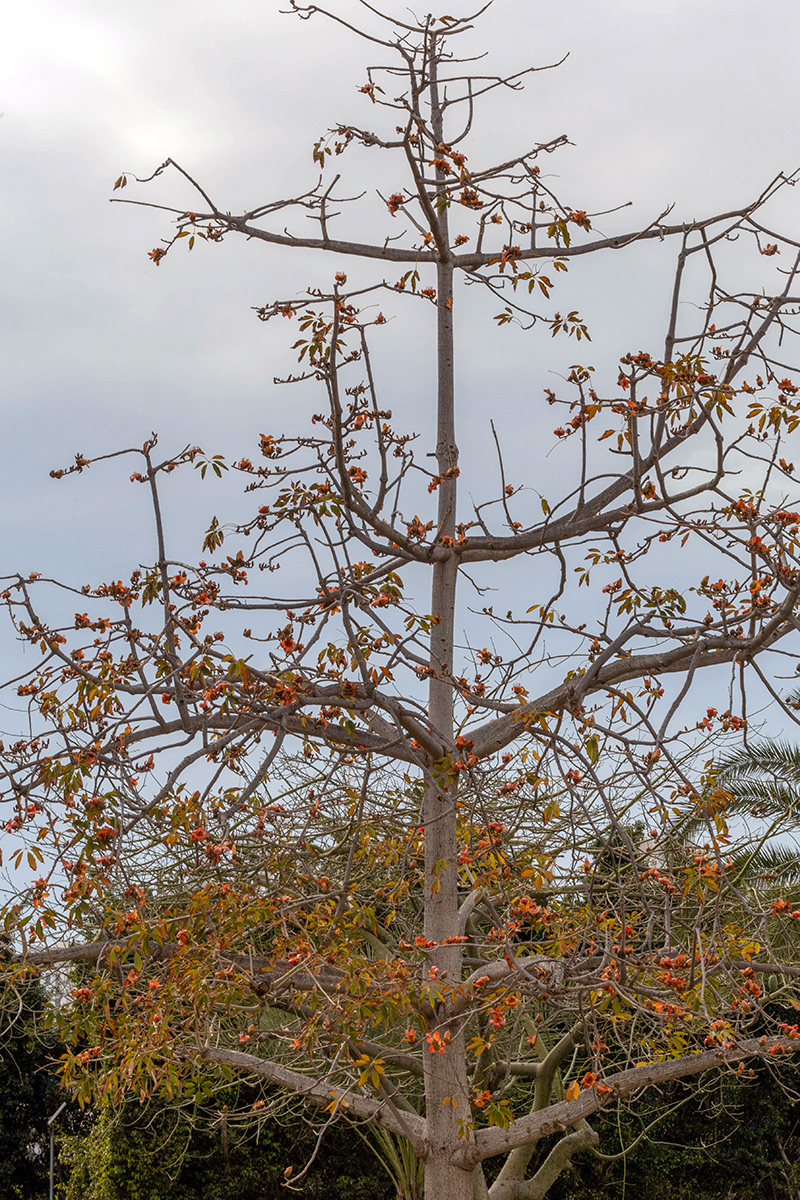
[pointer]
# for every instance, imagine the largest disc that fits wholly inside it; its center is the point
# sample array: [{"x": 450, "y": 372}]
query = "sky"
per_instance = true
[{"x": 684, "y": 102}]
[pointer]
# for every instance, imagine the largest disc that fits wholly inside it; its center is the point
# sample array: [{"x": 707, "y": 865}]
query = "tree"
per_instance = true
[
  {"x": 712, "y": 1137},
  {"x": 148, "y": 1152},
  {"x": 29, "y": 1088},
  {"x": 381, "y": 854}
]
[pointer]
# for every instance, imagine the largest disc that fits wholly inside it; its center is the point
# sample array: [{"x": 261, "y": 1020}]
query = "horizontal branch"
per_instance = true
[
  {"x": 392, "y": 745},
  {"x": 266, "y": 973},
  {"x": 319, "y": 1091},
  {"x": 332, "y": 245},
  {"x": 495, "y": 734},
  {"x": 558, "y": 1117},
  {"x": 464, "y": 262},
  {"x": 473, "y": 262}
]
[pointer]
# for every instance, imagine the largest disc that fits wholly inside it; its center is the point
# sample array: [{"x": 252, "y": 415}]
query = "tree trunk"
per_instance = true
[
  {"x": 446, "y": 1087},
  {"x": 445, "y": 1181}
]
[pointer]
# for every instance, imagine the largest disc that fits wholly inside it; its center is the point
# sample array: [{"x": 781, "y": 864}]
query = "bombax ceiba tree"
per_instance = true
[{"x": 464, "y": 874}]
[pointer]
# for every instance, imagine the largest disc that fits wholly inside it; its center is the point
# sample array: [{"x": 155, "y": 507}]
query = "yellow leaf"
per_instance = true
[{"x": 574, "y": 1090}]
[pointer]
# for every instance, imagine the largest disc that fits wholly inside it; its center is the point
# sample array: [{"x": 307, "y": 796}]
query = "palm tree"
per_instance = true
[{"x": 762, "y": 783}]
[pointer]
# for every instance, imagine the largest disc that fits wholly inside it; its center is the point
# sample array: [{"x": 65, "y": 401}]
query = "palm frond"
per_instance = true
[
  {"x": 778, "y": 759},
  {"x": 771, "y": 863},
  {"x": 764, "y": 778},
  {"x": 778, "y": 862}
]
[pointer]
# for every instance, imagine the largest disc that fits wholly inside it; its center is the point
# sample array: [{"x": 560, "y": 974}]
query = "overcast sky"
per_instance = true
[{"x": 685, "y": 101}]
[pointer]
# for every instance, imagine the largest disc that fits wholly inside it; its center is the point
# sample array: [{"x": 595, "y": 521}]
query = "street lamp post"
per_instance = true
[{"x": 51, "y": 1123}]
